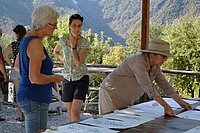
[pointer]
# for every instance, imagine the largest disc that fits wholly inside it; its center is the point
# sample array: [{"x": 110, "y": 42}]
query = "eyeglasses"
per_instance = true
[
  {"x": 164, "y": 57},
  {"x": 54, "y": 25}
]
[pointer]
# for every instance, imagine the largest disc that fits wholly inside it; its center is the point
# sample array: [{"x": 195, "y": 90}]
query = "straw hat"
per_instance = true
[{"x": 158, "y": 47}]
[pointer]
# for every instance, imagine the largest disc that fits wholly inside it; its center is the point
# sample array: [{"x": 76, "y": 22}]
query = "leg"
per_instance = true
[
  {"x": 21, "y": 116},
  {"x": 16, "y": 84},
  {"x": 68, "y": 106},
  {"x": 43, "y": 112},
  {"x": 76, "y": 109},
  {"x": 15, "y": 76},
  {"x": 1, "y": 99},
  {"x": 35, "y": 115},
  {"x": 67, "y": 96},
  {"x": 81, "y": 89}
]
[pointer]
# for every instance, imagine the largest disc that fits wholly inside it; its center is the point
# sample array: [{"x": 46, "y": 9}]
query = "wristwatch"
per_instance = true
[{"x": 73, "y": 48}]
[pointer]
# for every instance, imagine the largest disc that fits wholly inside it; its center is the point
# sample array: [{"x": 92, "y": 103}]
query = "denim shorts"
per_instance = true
[
  {"x": 75, "y": 89},
  {"x": 36, "y": 114},
  {"x": 14, "y": 75}
]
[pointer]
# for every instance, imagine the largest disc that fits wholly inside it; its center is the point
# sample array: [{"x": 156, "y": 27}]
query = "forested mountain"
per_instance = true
[{"x": 114, "y": 17}]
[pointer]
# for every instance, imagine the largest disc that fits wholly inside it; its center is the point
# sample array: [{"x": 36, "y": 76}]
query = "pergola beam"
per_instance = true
[{"x": 145, "y": 24}]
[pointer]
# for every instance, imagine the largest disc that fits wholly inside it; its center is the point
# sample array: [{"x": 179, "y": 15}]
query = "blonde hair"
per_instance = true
[{"x": 42, "y": 15}]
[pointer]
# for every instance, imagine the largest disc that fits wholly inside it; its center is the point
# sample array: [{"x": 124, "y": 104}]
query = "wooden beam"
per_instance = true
[{"x": 145, "y": 24}]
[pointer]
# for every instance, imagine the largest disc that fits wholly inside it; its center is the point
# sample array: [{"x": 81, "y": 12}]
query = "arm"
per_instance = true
[
  {"x": 16, "y": 65},
  {"x": 79, "y": 56},
  {"x": 181, "y": 102},
  {"x": 35, "y": 64},
  {"x": 2, "y": 69},
  {"x": 168, "y": 110},
  {"x": 140, "y": 70},
  {"x": 170, "y": 91},
  {"x": 57, "y": 51},
  {"x": 7, "y": 53}
]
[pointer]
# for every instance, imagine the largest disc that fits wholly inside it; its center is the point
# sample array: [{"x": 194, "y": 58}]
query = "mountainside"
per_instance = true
[{"x": 114, "y": 17}]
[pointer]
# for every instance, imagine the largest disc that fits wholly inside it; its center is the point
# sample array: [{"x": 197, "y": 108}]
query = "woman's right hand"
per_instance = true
[
  {"x": 169, "y": 111},
  {"x": 58, "y": 78}
]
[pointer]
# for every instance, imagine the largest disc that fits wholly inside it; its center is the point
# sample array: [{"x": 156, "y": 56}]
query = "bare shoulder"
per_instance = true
[{"x": 35, "y": 43}]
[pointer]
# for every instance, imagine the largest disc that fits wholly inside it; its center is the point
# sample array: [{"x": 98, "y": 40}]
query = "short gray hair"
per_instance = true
[{"x": 42, "y": 15}]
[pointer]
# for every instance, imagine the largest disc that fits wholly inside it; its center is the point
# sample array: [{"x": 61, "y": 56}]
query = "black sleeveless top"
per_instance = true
[{"x": 15, "y": 49}]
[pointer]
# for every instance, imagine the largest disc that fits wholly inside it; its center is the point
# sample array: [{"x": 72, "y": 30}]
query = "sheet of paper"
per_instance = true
[
  {"x": 190, "y": 114},
  {"x": 150, "y": 108},
  {"x": 174, "y": 104},
  {"x": 145, "y": 111},
  {"x": 194, "y": 130},
  {"x": 197, "y": 107},
  {"x": 79, "y": 128},
  {"x": 107, "y": 123},
  {"x": 155, "y": 107},
  {"x": 133, "y": 119}
]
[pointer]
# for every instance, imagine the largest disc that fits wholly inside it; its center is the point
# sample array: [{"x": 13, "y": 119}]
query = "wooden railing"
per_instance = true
[{"x": 106, "y": 69}]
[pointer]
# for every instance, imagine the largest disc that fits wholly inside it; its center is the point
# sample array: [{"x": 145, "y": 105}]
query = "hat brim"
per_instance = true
[{"x": 156, "y": 52}]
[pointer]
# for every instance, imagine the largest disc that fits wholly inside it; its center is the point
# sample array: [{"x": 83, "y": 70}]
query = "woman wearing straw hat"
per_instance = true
[{"x": 135, "y": 76}]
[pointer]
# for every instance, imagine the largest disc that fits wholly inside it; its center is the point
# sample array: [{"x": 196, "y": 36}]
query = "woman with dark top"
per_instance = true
[
  {"x": 13, "y": 50},
  {"x": 35, "y": 67}
]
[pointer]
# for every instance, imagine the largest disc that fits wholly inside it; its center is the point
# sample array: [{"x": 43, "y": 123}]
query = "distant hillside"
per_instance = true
[
  {"x": 122, "y": 15},
  {"x": 114, "y": 17}
]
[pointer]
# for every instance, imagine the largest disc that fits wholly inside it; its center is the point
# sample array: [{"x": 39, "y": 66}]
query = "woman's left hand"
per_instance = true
[{"x": 186, "y": 105}]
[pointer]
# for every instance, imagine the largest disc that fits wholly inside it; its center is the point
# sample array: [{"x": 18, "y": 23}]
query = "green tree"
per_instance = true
[
  {"x": 115, "y": 56},
  {"x": 134, "y": 40},
  {"x": 183, "y": 36},
  {"x": 98, "y": 47}
]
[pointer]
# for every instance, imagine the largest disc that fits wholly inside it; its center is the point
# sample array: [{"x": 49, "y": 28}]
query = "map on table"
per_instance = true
[{"x": 79, "y": 128}]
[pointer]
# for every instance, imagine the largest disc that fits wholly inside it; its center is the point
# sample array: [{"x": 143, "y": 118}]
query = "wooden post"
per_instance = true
[
  {"x": 145, "y": 34},
  {"x": 145, "y": 24}
]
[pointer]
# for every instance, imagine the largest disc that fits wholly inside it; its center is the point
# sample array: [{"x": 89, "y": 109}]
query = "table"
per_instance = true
[
  {"x": 166, "y": 124},
  {"x": 152, "y": 120}
]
